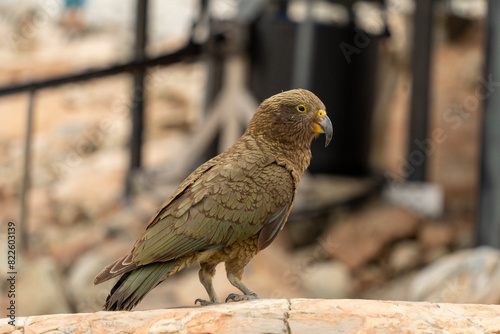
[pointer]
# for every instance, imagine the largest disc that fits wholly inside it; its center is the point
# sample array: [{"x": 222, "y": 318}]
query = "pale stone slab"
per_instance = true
[
  {"x": 276, "y": 316},
  {"x": 360, "y": 316}
]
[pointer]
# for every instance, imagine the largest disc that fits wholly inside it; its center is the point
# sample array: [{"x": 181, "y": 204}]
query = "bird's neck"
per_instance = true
[{"x": 295, "y": 156}]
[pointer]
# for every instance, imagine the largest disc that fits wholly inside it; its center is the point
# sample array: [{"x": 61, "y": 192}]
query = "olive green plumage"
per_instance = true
[{"x": 229, "y": 208}]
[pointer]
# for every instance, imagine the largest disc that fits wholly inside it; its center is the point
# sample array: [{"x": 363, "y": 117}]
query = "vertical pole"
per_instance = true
[
  {"x": 23, "y": 220},
  {"x": 304, "y": 41},
  {"x": 488, "y": 226},
  {"x": 420, "y": 65},
  {"x": 137, "y": 112}
]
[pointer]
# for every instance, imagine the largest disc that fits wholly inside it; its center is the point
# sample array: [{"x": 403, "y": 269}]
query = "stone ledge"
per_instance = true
[{"x": 276, "y": 316}]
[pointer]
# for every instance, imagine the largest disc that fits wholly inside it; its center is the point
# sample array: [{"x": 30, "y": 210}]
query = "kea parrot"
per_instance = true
[{"x": 229, "y": 208}]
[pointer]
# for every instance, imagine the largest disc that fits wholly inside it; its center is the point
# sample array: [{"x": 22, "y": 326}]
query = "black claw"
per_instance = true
[
  {"x": 237, "y": 298},
  {"x": 203, "y": 302},
  {"x": 231, "y": 296}
]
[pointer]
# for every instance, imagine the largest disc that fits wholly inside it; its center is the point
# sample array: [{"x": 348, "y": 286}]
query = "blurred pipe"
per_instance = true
[
  {"x": 488, "y": 225},
  {"x": 190, "y": 52},
  {"x": 303, "y": 51},
  {"x": 141, "y": 29},
  {"x": 420, "y": 65},
  {"x": 137, "y": 116},
  {"x": 23, "y": 220}
]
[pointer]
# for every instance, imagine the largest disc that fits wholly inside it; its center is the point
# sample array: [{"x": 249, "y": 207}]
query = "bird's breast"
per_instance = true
[{"x": 245, "y": 250}]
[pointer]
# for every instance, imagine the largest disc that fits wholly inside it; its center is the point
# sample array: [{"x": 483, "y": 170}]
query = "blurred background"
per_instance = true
[{"x": 106, "y": 106}]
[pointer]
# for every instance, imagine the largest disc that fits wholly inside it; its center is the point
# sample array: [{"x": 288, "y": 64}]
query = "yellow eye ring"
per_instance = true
[{"x": 301, "y": 108}]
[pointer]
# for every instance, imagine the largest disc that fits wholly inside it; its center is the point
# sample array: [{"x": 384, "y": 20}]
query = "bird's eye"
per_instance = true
[{"x": 301, "y": 108}]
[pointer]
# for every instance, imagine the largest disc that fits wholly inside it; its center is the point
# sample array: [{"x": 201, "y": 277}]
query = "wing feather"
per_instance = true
[{"x": 222, "y": 204}]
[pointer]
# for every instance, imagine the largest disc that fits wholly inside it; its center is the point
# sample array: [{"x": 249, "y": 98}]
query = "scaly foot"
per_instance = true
[{"x": 236, "y": 298}]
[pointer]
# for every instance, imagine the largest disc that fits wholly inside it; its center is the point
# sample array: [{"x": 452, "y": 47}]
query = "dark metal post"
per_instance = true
[
  {"x": 420, "y": 66},
  {"x": 137, "y": 112},
  {"x": 302, "y": 65},
  {"x": 488, "y": 226},
  {"x": 23, "y": 219}
]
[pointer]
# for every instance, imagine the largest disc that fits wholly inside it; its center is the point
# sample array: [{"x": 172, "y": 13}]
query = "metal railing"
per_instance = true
[{"x": 137, "y": 67}]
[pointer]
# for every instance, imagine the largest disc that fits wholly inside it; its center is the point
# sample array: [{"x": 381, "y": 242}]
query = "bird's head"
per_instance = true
[{"x": 294, "y": 116}]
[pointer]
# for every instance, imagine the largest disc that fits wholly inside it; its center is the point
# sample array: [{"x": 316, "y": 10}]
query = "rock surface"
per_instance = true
[
  {"x": 466, "y": 276},
  {"x": 360, "y": 237},
  {"x": 460, "y": 278},
  {"x": 276, "y": 316}
]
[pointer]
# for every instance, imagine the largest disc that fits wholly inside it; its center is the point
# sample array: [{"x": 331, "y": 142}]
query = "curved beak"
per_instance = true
[{"x": 322, "y": 124}]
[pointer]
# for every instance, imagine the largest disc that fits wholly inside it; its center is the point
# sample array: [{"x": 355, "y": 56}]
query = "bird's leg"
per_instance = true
[
  {"x": 236, "y": 282},
  {"x": 206, "y": 274}
]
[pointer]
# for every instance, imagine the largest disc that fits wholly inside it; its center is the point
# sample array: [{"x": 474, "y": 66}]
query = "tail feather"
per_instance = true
[
  {"x": 120, "y": 266},
  {"x": 135, "y": 284}
]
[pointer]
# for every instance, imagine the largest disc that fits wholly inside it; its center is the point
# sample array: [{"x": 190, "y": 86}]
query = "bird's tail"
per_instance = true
[{"x": 135, "y": 284}]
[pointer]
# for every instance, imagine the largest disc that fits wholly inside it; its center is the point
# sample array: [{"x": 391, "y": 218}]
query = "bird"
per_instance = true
[{"x": 229, "y": 208}]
